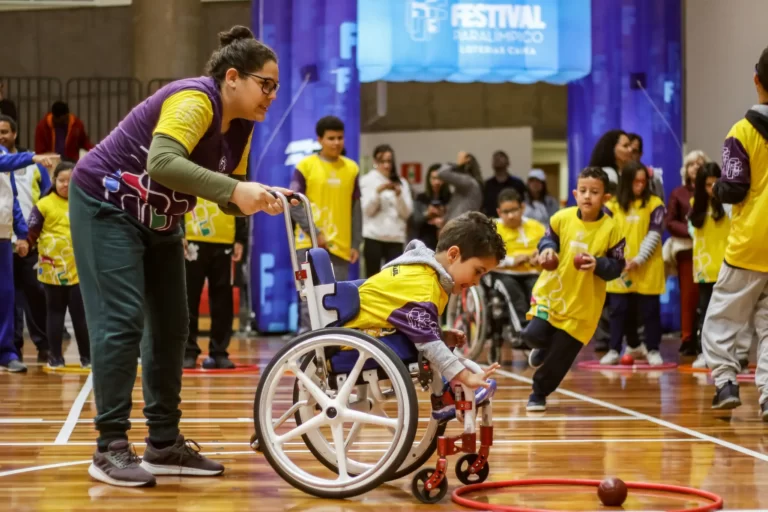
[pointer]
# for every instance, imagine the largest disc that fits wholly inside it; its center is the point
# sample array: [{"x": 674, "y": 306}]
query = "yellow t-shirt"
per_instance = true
[
  {"x": 56, "y": 263},
  {"x": 207, "y": 223},
  {"x": 186, "y": 116},
  {"x": 522, "y": 241},
  {"x": 570, "y": 299},
  {"x": 709, "y": 242},
  {"x": 332, "y": 188},
  {"x": 649, "y": 278},
  {"x": 406, "y": 298},
  {"x": 745, "y": 160}
]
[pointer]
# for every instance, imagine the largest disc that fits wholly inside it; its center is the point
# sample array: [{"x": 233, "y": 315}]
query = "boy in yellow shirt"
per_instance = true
[
  {"x": 567, "y": 301},
  {"x": 330, "y": 182},
  {"x": 521, "y": 237},
  {"x": 742, "y": 284}
]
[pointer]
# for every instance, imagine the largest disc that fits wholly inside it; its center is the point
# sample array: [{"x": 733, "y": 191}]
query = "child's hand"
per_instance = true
[
  {"x": 476, "y": 380},
  {"x": 454, "y": 337},
  {"x": 546, "y": 255},
  {"x": 588, "y": 262},
  {"x": 631, "y": 265}
]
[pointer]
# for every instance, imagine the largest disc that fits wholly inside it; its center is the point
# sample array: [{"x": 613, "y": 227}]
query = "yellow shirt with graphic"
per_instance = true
[
  {"x": 709, "y": 243},
  {"x": 406, "y": 298},
  {"x": 634, "y": 225},
  {"x": 207, "y": 223},
  {"x": 522, "y": 241},
  {"x": 331, "y": 187},
  {"x": 49, "y": 222},
  {"x": 745, "y": 161},
  {"x": 569, "y": 299}
]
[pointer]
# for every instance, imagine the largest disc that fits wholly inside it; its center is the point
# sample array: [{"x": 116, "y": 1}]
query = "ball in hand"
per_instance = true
[
  {"x": 580, "y": 260},
  {"x": 612, "y": 492},
  {"x": 551, "y": 262}
]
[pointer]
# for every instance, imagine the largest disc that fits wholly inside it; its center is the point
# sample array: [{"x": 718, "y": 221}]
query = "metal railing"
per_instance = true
[
  {"x": 101, "y": 103},
  {"x": 31, "y": 97}
]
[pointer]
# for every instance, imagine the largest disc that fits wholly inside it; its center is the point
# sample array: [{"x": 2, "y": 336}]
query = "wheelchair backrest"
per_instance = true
[{"x": 337, "y": 302}]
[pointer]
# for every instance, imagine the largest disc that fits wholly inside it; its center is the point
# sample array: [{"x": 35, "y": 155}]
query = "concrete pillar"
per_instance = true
[{"x": 166, "y": 38}]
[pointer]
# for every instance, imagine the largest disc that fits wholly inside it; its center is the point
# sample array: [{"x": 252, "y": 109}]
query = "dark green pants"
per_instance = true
[{"x": 131, "y": 277}]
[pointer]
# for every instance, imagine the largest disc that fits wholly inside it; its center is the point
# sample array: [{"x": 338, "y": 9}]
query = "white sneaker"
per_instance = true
[
  {"x": 700, "y": 362},
  {"x": 654, "y": 358},
  {"x": 610, "y": 358},
  {"x": 637, "y": 353}
]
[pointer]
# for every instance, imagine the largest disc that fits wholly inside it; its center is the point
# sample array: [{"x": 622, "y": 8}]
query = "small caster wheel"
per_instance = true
[
  {"x": 255, "y": 443},
  {"x": 463, "y": 474},
  {"x": 424, "y": 495}
]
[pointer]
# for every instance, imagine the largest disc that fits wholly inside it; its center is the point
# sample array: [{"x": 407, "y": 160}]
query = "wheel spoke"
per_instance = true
[
  {"x": 353, "y": 433},
  {"x": 313, "y": 389},
  {"x": 346, "y": 389},
  {"x": 363, "y": 417},
  {"x": 337, "y": 430},
  {"x": 316, "y": 422},
  {"x": 378, "y": 410}
]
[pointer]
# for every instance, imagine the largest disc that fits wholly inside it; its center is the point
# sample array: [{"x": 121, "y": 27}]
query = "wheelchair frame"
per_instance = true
[{"x": 355, "y": 396}]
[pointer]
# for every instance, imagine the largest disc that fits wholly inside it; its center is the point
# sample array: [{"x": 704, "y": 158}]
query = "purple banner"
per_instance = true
[{"x": 316, "y": 47}]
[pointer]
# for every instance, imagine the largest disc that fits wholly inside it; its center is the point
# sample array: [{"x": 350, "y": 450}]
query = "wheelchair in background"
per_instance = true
[{"x": 337, "y": 411}]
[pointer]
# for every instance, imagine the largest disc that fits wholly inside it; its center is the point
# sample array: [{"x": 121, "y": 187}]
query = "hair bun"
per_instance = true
[{"x": 234, "y": 34}]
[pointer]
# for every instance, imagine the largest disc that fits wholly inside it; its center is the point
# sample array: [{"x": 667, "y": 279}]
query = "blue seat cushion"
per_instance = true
[
  {"x": 345, "y": 300},
  {"x": 344, "y": 360}
]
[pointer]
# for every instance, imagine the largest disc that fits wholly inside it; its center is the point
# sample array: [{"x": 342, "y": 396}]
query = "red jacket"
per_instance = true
[
  {"x": 77, "y": 139},
  {"x": 678, "y": 206}
]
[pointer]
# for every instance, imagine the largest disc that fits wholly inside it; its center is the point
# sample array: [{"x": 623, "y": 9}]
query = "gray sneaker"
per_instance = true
[
  {"x": 14, "y": 366},
  {"x": 120, "y": 466},
  {"x": 181, "y": 459}
]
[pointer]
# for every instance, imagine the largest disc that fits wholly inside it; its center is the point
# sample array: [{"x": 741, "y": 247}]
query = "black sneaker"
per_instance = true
[
  {"x": 726, "y": 397},
  {"x": 119, "y": 466},
  {"x": 218, "y": 363},
  {"x": 190, "y": 363},
  {"x": 181, "y": 459},
  {"x": 536, "y": 357},
  {"x": 56, "y": 362},
  {"x": 536, "y": 403}
]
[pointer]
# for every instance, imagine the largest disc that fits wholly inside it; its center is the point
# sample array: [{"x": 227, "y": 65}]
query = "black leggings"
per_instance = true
[
  {"x": 57, "y": 299},
  {"x": 378, "y": 253},
  {"x": 561, "y": 350}
]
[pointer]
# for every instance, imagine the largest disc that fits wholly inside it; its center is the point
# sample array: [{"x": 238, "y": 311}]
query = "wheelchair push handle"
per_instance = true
[{"x": 289, "y": 224}]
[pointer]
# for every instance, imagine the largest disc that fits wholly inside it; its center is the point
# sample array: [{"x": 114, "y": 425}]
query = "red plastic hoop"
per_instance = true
[
  {"x": 245, "y": 368},
  {"x": 596, "y": 366},
  {"x": 717, "y": 501}
]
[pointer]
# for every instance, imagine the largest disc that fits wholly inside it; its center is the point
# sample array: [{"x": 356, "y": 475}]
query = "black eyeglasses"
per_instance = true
[{"x": 268, "y": 86}]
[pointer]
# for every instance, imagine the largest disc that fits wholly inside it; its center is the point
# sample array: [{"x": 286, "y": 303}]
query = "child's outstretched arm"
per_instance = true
[{"x": 610, "y": 266}]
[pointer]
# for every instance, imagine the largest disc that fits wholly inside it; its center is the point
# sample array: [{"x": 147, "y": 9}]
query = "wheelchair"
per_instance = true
[
  {"x": 353, "y": 400},
  {"x": 486, "y": 312}
]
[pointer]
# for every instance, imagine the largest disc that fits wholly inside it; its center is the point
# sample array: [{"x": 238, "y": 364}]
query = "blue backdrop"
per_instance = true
[
  {"x": 520, "y": 41},
  {"x": 633, "y": 40},
  {"x": 316, "y": 46}
]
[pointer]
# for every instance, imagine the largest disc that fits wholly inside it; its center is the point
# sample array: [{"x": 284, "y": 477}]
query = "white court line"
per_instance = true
[
  {"x": 514, "y": 419},
  {"x": 641, "y": 416},
  {"x": 74, "y": 412}
]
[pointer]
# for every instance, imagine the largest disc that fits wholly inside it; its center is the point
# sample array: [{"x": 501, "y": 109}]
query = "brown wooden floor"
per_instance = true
[{"x": 655, "y": 427}]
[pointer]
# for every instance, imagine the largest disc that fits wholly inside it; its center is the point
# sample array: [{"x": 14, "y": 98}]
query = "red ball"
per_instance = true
[
  {"x": 612, "y": 492},
  {"x": 627, "y": 360},
  {"x": 551, "y": 263},
  {"x": 580, "y": 259}
]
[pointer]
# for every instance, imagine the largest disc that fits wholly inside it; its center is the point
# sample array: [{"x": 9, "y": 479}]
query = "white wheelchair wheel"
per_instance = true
[
  {"x": 421, "y": 451},
  {"x": 468, "y": 312},
  {"x": 336, "y": 408}
]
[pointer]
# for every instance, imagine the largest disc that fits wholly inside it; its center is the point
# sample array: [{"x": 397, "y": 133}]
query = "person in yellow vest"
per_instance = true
[
  {"x": 709, "y": 224},
  {"x": 742, "y": 284},
  {"x": 49, "y": 227},
  {"x": 640, "y": 217},
  {"x": 213, "y": 241},
  {"x": 330, "y": 182},
  {"x": 567, "y": 302},
  {"x": 521, "y": 237}
]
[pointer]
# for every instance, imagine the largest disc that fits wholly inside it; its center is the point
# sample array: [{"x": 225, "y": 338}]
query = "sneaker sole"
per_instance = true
[
  {"x": 101, "y": 476},
  {"x": 159, "y": 470},
  {"x": 535, "y": 408},
  {"x": 729, "y": 403}
]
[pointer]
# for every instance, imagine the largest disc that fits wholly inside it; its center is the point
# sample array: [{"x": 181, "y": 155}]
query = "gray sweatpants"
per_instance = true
[
  {"x": 739, "y": 301},
  {"x": 340, "y": 272}
]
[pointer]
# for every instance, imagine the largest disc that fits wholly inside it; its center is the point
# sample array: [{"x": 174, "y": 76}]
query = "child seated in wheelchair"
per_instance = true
[
  {"x": 411, "y": 292},
  {"x": 520, "y": 268}
]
